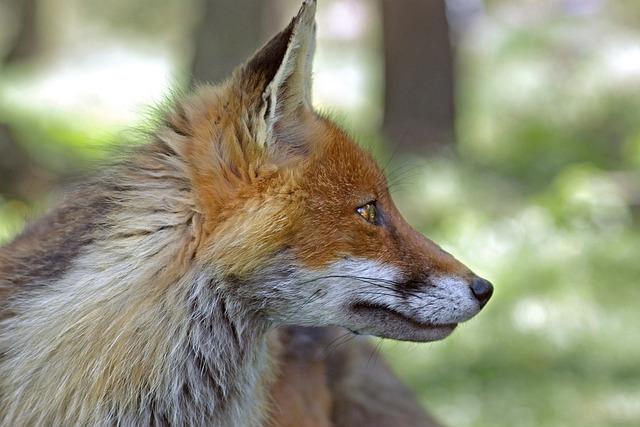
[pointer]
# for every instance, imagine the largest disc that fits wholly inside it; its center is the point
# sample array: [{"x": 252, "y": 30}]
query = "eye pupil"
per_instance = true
[{"x": 368, "y": 212}]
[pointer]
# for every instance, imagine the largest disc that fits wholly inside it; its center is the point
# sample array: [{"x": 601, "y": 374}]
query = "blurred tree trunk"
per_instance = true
[
  {"x": 229, "y": 32},
  {"x": 20, "y": 177},
  {"x": 27, "y": 41},
  {"x": 13, "y": 165},
  {"x": 419, "y": 92}
]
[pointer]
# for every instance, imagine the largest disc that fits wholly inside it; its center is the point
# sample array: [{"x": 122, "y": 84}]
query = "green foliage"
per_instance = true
[
  {"x": 12, "y": 218},
  {"x": 59, "y": 142},
  {"x": 536, "y": 101}
]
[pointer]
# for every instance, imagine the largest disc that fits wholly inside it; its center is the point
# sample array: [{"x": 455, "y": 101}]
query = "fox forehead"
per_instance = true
[
  {"x": 302, "y": 205},
  {"x": 341, "y": 169}
]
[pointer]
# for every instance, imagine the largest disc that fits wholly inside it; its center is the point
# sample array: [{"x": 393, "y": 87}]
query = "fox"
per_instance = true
[{"x": 226, "y": 272}]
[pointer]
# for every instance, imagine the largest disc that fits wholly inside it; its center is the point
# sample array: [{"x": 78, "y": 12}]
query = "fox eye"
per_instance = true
[{"x": 368, "y": 212}]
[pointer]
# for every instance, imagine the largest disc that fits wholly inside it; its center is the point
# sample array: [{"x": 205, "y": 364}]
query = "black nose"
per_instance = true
[{"x": 482, "y": 289}]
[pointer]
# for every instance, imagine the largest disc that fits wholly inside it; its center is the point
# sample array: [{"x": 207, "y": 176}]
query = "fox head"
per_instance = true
[{"x": 296, "y": 219}]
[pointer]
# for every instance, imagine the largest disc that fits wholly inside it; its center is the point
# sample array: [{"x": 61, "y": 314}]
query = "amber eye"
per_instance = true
[{"x": 368, "y": 212}]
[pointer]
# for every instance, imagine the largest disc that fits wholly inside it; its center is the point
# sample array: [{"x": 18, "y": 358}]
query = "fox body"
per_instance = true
[{"x": 190, "y": 283}]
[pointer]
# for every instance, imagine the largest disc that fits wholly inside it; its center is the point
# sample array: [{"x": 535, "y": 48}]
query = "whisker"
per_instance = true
[
  {"x": 402, "y": 175},
  {"x": 297, "y": 310},
  {"x": 389, "y": 285},
  {"x": 340, "y": 340},
  {"x": 375, "y": 353}
]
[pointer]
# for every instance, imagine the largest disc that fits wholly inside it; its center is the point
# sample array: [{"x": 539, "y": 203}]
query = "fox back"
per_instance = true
[{"x": 151, "y": 294}]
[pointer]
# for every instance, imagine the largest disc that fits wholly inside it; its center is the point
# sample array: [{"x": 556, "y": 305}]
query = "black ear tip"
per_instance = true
[{"x": 268, "y": 60}]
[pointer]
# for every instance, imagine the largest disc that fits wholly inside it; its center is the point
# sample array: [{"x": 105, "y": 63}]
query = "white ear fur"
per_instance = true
[{"x": 290, "y": 88}]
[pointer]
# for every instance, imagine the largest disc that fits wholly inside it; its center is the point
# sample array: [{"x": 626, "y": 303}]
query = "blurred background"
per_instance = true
[{"x": 512, "y": 129}]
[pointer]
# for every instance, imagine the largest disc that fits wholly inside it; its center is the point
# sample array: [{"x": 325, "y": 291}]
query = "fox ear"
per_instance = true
[{"x": 281, "y": 72}]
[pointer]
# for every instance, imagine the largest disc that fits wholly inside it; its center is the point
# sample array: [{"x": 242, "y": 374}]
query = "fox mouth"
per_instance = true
[{"x": 385, "y": 322}]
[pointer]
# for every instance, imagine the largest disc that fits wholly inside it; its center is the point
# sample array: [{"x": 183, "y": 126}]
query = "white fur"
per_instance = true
[
  {"x": 327, "y": 297},
  {"x": 97, "y": 313}
]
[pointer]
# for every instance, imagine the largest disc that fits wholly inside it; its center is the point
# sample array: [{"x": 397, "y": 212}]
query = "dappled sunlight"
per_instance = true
[
  {"x": 622, "y": 61},
  {"x": 619, "y": 407},
  {"x": 108, "y": 86},
  {"x": 529, "y": 315}
]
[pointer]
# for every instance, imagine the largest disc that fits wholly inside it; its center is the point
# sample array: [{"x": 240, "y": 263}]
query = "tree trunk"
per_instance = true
[
  {"x": 419, "y": 93},
  {"x": 27, "y": 41},
  {"x": 20, "y": 177},
  {"x": 229, "y": 32}
]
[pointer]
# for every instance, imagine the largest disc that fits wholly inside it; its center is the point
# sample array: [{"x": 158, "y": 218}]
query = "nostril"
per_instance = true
[{"x": 482, "y": 289}]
